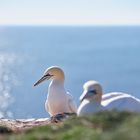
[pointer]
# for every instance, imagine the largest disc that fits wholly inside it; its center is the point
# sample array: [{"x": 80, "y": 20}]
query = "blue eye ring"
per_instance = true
[
  {"x": 48, "y": 75},
  {"x": 93, "y": 91}
]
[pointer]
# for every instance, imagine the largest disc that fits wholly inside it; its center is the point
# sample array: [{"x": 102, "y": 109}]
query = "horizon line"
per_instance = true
[{"x": 29, "y": 24}]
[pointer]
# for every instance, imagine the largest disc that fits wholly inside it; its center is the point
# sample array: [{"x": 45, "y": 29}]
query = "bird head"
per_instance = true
[
  {"x": 92, "y": 91},
  {"x": 53, "y": 72}
]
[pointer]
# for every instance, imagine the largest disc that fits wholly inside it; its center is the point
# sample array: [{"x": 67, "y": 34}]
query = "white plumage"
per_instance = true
[{"x": 93, "y": 101}]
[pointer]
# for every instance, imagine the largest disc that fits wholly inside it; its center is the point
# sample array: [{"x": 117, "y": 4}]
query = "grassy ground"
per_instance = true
[{"x": 101, "y": 126}]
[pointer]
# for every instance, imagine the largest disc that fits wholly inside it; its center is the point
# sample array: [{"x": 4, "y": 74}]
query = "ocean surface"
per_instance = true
[{"x": 110, "y": 55}]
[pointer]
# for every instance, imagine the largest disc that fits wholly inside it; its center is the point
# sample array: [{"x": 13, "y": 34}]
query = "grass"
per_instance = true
[{"x": 102, "y": 126}]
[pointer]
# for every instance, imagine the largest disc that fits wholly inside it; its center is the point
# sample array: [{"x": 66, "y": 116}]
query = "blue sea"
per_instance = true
[{"x": 108, "y": 54}]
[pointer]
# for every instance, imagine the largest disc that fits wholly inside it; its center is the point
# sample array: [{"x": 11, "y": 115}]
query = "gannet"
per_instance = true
[
  {"x": 93, "y": 100},
  {"x": 58, "y": 101}
]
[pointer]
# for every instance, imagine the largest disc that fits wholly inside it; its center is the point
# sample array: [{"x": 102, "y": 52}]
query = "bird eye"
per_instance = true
[
  {"x": 93, "y": 91},
  {"x": 48, "y": 75}
]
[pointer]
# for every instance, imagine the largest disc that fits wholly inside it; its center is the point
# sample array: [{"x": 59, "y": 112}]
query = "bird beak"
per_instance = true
[
  {"x": 43, "y": 78},
  {"x": 83, "y": 96},
  {"x": 87, "y": 94}
]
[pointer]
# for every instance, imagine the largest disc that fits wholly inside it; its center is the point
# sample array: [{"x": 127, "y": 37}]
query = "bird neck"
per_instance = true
[
  {"x": 56, "y": 88},
  {"x": 96, "y": 99},
  {"x": 57, "y": 82}
]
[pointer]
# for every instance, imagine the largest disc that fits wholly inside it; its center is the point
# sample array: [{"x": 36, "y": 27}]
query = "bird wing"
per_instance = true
[
  {"x": 115, "y": 100},
  {"x": 71, "y": 103},
  {"x": 125, "y": 102},
  {"x": 112, "y": 95}
]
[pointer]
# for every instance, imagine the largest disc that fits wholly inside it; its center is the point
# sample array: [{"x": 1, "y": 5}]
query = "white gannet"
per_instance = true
[
  {"x": 93, "y": 101},
  {"x": 58, "y": 100}
]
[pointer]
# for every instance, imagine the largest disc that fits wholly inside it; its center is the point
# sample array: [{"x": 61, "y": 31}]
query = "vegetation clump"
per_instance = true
[{"x": 111, "y": 125}]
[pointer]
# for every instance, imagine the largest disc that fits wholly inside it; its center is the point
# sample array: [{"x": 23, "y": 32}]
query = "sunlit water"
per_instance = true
[{"x": 110, "y": 55}]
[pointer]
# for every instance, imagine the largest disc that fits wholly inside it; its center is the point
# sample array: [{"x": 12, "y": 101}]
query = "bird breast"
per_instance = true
[{"x": 57, "y": 99}]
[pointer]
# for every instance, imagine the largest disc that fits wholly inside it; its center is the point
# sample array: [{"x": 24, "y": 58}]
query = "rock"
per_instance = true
[{"x": 8, "y": 125}]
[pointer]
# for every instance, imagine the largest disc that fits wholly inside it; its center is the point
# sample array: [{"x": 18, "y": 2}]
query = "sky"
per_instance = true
[{"x": 70, "y": 12}]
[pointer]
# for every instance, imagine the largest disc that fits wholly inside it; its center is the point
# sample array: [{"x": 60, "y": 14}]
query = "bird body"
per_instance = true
[
  {"x": 93, "y": 101},
  {"x": 121, "y": 102},
  {"x": 87, "y": 108},
  {"x": 58, "y": 101}
]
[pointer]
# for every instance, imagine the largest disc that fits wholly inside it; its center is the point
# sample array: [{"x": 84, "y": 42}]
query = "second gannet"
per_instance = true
[
  {"x": 93, "y": 100},
  {"x": 58, "y": 101}
]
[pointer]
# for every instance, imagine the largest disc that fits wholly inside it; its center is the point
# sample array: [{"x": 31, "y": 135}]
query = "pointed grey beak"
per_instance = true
[
  {"x": 83, "y": 96},
  {"x": 87, "y": 94},
  {"x": 43, "y": 78}
]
